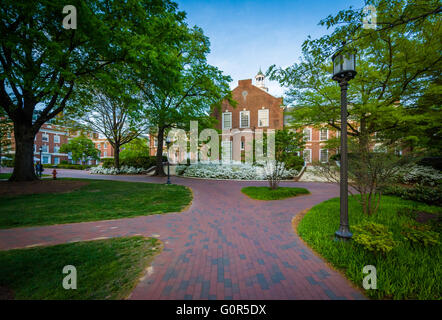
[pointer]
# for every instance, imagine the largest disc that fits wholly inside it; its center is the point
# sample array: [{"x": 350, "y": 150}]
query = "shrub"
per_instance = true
[
  {"x": 136, "y": 162},
  {"x": 374, "y": 237},
  {"x": 420, "y": 235},
  {"x": 295, "y": 163},
  {"x": 67, "y": 166},
  {"x": 113, "y": 171},
  {"x": 425, "y": 194},
  {"x": 237, "y": 171},
  {"x": 419, "y": 174}
]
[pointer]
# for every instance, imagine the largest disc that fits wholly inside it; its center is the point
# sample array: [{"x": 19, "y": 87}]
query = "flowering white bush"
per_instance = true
[
  {"x": 419, "y": 174},
  {"x": 112, "y": 170},
  {"x": 233, "y": 170}
]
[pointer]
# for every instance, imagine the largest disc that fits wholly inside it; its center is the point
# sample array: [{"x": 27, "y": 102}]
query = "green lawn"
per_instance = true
[
  {"x": 406, "y": 272},
  {"x": 8, "y": 175},
  {"x": 99, "y": 200},
  {"x": 266, "y": 193},
  {"x": 106, "y": 269}
]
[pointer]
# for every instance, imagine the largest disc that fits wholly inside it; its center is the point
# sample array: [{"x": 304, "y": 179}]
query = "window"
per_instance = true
[
  {"x": 45, "y": 159},
  {"x": 45, "y": 137},
  {"x": 155, "y": 142},
  {"x": 56, "y": 160},
  {"x": 98, "y": 145},
  {"x": 263, "y": 118},
  {"x": 307, "y": 155},
  {"x": 227, "y": 120},
  {"x": 104, "y": 145},
  {"x": 226, "y": 151},
  {"x": 323, "y": 135},
  {"x": 244, "y": 117},
  {"x": 57, "y": 139},
  {"x": 45, "y": 148},
  {"x": 242, "y": 144},
  {"x": 307, "y": 134},
  {"x": 56, "y": 149},
  {"x": 105, "y": 154},
  {"x": 323, "y": 155}
]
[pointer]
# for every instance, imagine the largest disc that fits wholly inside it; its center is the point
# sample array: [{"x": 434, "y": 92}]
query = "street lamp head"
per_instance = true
[
  {"x": 344, "y": 66},
  {"x": 168, "y": 141},
  {"x": 40, "y": 149}
]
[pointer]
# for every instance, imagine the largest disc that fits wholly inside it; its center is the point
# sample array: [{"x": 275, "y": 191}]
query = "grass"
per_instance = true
[
  {"x": 266, "y": 193},
  {"x": 8, "y": 175},
  {"x": 406, "y": 272},
  {"x": 99, "y": 200},
  {"x": 106, "y": 269}
]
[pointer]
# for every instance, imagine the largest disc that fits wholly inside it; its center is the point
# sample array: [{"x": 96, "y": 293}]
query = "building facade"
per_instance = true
[{"x": 257, "y": 109}]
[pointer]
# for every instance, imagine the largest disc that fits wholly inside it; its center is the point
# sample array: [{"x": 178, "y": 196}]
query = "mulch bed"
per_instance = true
[{"x": 41, "y": 186}]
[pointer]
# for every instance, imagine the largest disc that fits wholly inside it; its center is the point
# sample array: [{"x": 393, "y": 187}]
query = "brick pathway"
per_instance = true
[{"x": 225, "y": 246}]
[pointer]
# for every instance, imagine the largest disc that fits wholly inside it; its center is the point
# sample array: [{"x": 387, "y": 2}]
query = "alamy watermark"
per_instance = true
[
  {"x": 70, "y": 20},
  {"x": 70, "y": 281},
  {"x": 370, "y": 280}
]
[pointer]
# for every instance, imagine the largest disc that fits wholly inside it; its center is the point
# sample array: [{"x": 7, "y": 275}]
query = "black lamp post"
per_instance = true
[
  {"x": 168, "y": 141},
  {"x": 344, "y": 69}
]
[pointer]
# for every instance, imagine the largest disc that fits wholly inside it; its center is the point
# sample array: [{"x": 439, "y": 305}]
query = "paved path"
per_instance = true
[{"x": 225, "y": 246}]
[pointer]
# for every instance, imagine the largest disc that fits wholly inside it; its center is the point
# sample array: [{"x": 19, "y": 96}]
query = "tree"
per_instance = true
[
  {"x": 396, "y": 65},
  {"x": 288, "y": 143},
  {"x": 81, "y": 148},
  {"x": 189, "y": 94},
  {"x": 41, "y": 62},
  {"x": 115, "y": 113},
  {"x": 138, "y": 147}
]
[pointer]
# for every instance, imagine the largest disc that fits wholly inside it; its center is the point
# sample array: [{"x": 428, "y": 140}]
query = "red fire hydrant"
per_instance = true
[{"x": 54, "y": 174}]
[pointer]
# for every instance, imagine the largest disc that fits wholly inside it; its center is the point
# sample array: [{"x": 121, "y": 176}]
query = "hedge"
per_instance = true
[{"x": 137, "y": 162}]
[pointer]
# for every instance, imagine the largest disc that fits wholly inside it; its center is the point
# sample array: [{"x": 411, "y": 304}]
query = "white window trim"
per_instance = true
[
  {"x": 57, "y": 139},
  {"x": 310, "y": 155},
  {"x": 224, "y": 113},
  {"x": 44, "y": 135},
  {"x": 320, "y": 156},
  {"x": 320, "y": 139},
  {"x": 248, "y": 118},
  {"x": 268, "y": 117},
  {"x": 310, "y": 134},
  {"x": 224, "y": 152}
]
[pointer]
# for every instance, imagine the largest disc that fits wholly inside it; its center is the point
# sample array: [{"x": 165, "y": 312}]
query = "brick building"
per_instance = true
[{"x": 257, "y": 109}]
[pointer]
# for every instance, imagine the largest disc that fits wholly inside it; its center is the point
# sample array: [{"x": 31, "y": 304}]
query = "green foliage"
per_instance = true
[
  {"x": 407, "y": 272},
  {"x": 294, "y": 162},
  {"x": 421, "y": 193},
  {"x": 68, "y": 166},
  {"x": 374, "y": 237},
  {"x": 399, "y": 61},
  {"x": 81, "y": 148},
  {"x": 134, "y": 161},
  {"x": 136, "y": 148},
  {"x": 108, "y": 269},
  {"x": 266, "y": 193},
  {"x": 420, "y": 235}
]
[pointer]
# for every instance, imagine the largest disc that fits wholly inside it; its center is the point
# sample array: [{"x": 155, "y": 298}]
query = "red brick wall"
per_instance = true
[{"x": 255, "y": 99}]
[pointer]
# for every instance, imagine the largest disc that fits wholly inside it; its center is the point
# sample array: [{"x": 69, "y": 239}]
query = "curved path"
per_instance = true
[{"x": 225, "y": 246}]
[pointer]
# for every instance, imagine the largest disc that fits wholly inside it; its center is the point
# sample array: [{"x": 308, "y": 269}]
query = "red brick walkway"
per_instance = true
[{"x": 225, "y": 246}]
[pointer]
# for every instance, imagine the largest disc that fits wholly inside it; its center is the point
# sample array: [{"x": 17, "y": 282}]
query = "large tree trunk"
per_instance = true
[
  {"x": 159, "y": 170},
  {"x": 24, "y": 154},
  {"x": 117, "y": 156}
]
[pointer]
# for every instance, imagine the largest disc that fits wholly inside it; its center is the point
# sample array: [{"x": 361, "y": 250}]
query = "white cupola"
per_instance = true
[{"x": 259, "y": 78}]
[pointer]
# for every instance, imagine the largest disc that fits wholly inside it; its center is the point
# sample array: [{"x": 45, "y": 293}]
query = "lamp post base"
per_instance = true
[{"x": 343, "y": 234}]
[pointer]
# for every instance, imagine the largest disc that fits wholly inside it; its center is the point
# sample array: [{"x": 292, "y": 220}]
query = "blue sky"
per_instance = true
[{"x": 246, "y": 35}]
